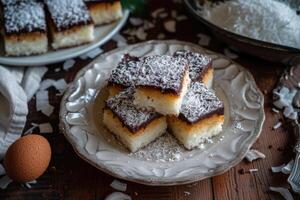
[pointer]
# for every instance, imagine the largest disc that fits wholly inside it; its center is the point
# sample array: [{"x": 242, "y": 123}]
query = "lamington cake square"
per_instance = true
[
  {"x": 162, "y": 83},
  {"x": 124, "y": 75},
  {"x": 104, "y": 11},
  {"x": 24, "y": 28},
  {"x": 200, "y": 66},
  {"x": 134, "y": 127},
  {"x": 201, "y": 116},
  {"x": 70, "y": 23}
]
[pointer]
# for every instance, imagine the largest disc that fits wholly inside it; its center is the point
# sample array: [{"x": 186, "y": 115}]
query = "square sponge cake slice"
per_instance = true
[
  {"x": 70, "y": 23},
  {"x": 24, "y": 27},
  {"x": 162, "y": 83},
  {"x": 200, "y": 66},
  {"x": 134, "y": 127},
  {"x": 201, "y": 116},
  {"x": 104, "y": 11},
  {"x": 124, "y": 75}
]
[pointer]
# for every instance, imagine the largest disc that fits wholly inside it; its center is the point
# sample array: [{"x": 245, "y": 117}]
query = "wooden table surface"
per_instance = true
[{"x": 69, "y": 177}]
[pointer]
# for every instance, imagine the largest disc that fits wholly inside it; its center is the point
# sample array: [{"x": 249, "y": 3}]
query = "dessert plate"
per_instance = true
[
  {"x": 163, "y": 162},
  {"x": 102, "y": 34}
]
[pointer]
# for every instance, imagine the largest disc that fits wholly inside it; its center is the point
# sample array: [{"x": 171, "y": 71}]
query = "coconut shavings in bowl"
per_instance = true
[{"x": 269, "y": 20}]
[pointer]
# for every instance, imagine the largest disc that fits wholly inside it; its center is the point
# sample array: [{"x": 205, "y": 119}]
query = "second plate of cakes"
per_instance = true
[
  {"x": 162, "y": 113},
  {"x": 50, "y": 31}
]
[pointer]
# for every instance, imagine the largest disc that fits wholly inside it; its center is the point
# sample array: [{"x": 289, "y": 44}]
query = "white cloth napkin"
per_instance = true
[{"x": 17, "y": 86}]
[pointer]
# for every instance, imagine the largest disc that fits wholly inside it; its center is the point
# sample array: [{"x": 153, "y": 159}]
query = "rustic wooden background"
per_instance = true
[{"x": 69, "y": 177}]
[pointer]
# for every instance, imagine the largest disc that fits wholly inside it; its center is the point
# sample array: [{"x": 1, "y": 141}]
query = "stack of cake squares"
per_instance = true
[
  {"x": 27, "y": 23},
  {"x": 148, "y": 95}
]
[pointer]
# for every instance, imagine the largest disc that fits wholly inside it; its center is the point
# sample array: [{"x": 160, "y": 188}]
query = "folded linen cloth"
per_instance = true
[{"x": 17, "y": 86}]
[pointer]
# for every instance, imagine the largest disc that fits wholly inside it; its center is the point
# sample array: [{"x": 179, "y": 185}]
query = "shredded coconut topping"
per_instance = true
[
  {"x": 199, "y": 102},
  {"x": 163, "y": 72},
  {"x": 68, "y": 13},
  {"x": 269, "y": 20},
  {"x": 24, "y": 17},
  {"x": 126, "y": 72},
  {"x": 198, "y": 63},
  {"x": 133, "y": 118}
]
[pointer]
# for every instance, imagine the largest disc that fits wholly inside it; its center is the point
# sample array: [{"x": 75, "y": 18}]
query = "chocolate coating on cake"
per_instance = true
[
  {"x": 24, "y": 17},
  {"x": 199, "y": 103},
  {"x": 199, "y": 64},
  {"x": 165, "y": 73},
  {"x": 132, "y": 117},
  {"x": 66, "y": 14},
  {"x": 126, "y": 72}
]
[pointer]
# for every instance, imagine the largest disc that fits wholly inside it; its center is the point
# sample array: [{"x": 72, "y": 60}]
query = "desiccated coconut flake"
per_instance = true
[
  {"x": 277, "y": 168},
  {"x": 203, "y": 39},
  {"x": 45, "y": 128},
  {"x": 230, "y": 54},
  {"x": 29, "y": 131},
  {"x": 60, "y": 85},
  {"x": 120, "y": 40},
  {"x": 83, "y": 56},
  {"x": 136, "y": 21},
  {"x": 161, "y": 36},
  {"x": 288, "y": 168},
  {"x": 141, "y": 34},
  {"x": 94, "y": 52},
  {"x": 155, "y": 13},
  {"x": 285, "y": 193},
  {"x": 4, "y": 182},
  {"x": 48, "y": 110},
  {"x": 253, "y": 154},
  {"x": 277, "y": 125},
  {"x": 253, "y": 170},
  {"x": 275, "y": 110},
  {"x": 181, "y": 18},
  {"x": 117, "y": 196},
  {"x": 68, "y": 64},
  {"x": 170, "y": 26},
  {"x": 118, "y": 185},
  {"x": 2, "y": 170},
  {"x": 186, "y": 193}
]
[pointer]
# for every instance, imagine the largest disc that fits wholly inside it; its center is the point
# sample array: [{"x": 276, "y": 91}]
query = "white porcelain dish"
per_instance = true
[
  {"x": 81, "y": 116},
  {"x": 102, "y": 35}
]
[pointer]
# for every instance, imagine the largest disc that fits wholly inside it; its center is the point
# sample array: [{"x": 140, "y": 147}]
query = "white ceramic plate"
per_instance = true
[
  {"x": 102, "y": 35},
  {"x": 163, "y": 162}
]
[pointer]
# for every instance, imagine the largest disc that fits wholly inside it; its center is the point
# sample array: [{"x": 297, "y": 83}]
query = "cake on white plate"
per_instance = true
[
  {"x": 24, "y": 28},
  {"x": 104, "y": 11},
  {"x": 134, "y": 127},
  {"x": 162, "y": 83},
  {"x": 124, "y": 75},
  {"x": 70, "y": 23},
  {"x": 200, "y": 66},
  {"x": 201, "y": 116}
]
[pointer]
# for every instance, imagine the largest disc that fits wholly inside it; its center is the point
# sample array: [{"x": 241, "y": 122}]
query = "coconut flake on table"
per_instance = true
[
  {"x": 68, "y": 64},
  {"x": 120, "y": 40},
  {"x": 277, "y": 125},
  {"x": 277, "y": 169},
  {"x": 230, "y": 54},
  {"x": 2, "y": 170},
  {"x": 28, "y": 184},
  {"x": 136, "y": 21},
  {"x": 5, "y": 181},
  {"x": 118, "y": 185},
  {"x": 186, "y": 193},
  {"x": 254, "y": 154},
  {"x": 45, "y": 128},
  {"x": 285, "y": 193},
  {"x": 170, "y": 26},
  {"x": 30, "y": 130},
  {"x": 284, "y": 168},
  {"x": 156, "y": 12},
  {"x": 203, "y": 39},
  {"x": 118, "y": 196},
  {"x": 94, "y": 52}
]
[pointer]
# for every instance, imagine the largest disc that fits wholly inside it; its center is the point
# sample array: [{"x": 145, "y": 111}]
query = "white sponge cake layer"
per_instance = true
[
  {"x": 163, "y": 103},
  {"x": 191, "y": 135},
  {"x": 103, "y": 13},
  {"x": 137, "y": 140},
  {"x": 22, "y": 45},
  {"x": 72, "y": 37}
]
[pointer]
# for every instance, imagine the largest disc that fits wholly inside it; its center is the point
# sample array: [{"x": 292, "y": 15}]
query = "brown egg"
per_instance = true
[{"x": 27, "y": 158}]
